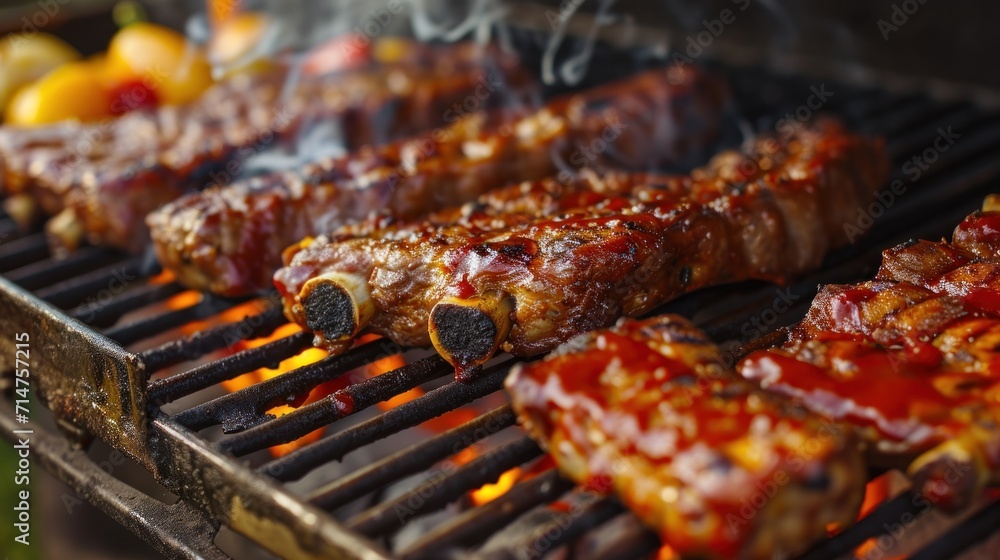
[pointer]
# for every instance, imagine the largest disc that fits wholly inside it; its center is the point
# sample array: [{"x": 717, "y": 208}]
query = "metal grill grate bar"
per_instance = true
[
  {"x": 412, "y": 460},
  {"x": 147, "y": 328},
  {"x": 960, "y": 538},
  {"x": 216, "y": 338},
  {"x": 878, "y": 106},
  {"x": 20, "y": 252},
  {"x": 469, "y": 527},
  {"x": 43, "y": 273},
  {"x": 556, "y": 528},
  {"x": 437, "y": 492},
  {"x": 105, "y": 313},
  {"x": 419, "y": 410},
  {"x": 343, "y": 403},
  {"x": 622, "y": 537},
  {"x": 76, "y": 290},
  {"x": 910, "y": 142},
  {"x": 162, "y": 391},
  {"x": 909, "y": 117},
  {"x": 244, "y": 408},
  {"x": 872, "y": 525}
]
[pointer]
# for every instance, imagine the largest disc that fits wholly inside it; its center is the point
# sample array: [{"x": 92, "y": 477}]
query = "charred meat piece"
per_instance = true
[
  {"x": 718, "y": 467},
  {"x": 912, "y": 359},
  {"x": 106, "y": 177},
  {"x": 229, "y": 240},
  {"x": 575, "y": 257}
]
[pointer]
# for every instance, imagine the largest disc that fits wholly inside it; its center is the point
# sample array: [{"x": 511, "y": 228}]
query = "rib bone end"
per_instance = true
[
  {"x": 468, "y": 331},
  {"x": 65, "y": 232},
  {"x": 951, "y": 475},
  {"x": 23, "y": 209},
  {"x": 336, "y": 305}
]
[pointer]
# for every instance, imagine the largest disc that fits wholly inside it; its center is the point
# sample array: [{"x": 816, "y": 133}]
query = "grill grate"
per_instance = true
[{"x": 227, "y": 476}]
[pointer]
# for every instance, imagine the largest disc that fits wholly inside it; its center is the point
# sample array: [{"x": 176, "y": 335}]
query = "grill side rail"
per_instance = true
[
  {"x": 249, "y": 503},
  {"x": 87, "y": 380}
]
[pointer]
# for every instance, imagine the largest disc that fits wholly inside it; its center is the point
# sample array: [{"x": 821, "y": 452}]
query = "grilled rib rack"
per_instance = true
[{"x": 152, "y": 393}]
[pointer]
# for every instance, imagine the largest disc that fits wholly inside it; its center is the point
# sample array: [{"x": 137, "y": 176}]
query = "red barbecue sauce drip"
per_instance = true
[
  {"x": 582, "y": 378},
  {"x": 870, "y": 387},
  {"x": 985, "y": 299},
  {"x": 892, "y": 389},
  {"x": 979, "y": 233},
  {"x": 344, "y": 403}
]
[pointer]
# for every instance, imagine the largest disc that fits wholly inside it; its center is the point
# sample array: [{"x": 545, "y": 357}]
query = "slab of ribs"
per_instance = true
[
  {"x": 531, "y": 265},
  {"x": 900, "y": 371}
]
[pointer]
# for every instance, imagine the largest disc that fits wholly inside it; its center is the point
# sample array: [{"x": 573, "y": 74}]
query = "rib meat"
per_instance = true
[
  {"x": 106, "y": 177},
  {"x": 718, "y": 467},
  {"x": 911, "y": 358},
  {"x": 550, "y": 260},
  {"x": 229, "y": 240}
]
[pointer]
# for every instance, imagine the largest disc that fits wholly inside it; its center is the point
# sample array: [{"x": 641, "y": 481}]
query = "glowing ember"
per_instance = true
[
  {"x": 877, "y": 491},
  {"x": 164, "y": 277},
  {"x": 308, "y": 356},
  {"x": 442, "y": 423},
  {"x": 666, "y": 553},
  {"x": 184, "y": 299},
  {"x": 489, "y": 492},
  {"x": 234, "y": 314}
]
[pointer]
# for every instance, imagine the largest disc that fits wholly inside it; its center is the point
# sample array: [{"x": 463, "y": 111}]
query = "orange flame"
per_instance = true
[
  {"x": 489, "y": 492},
  {"x": 184, "y": 299},
  {"x": 309, "y": 356},
  {"x": 306, "y": 357},
  {"x": 442, "y": 423},
  {"x": 877, "y": 491},
  {"x": 234, "y": 314},
  {"x": 164, "y": 277},
  {"x": 666, "y": 553},
  {"x": 238, "y": 313}
]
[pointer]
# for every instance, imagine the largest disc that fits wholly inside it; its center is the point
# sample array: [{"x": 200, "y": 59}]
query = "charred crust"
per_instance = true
[
  {"x": 329, "y": 309},
  {"x": 685, "y": 276},
  {"x": 721, "y": 464},
  {"x": 818, "y": 479},
  {"x": 948, "y": 482},
  {"x": 514, "y": 250},
  {"x": 676, "y": 331},
  {"x": 465, "y": 333}
]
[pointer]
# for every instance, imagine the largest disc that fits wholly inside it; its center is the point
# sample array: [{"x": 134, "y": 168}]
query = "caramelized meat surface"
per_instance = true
[
  {"x": 718, "y": 467},
  {"x": 229, "y": 240},
  {"x": 912, "y": 359},
  {"x": 104, "y": 178},
  {"x": 536, "y": 264}
]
